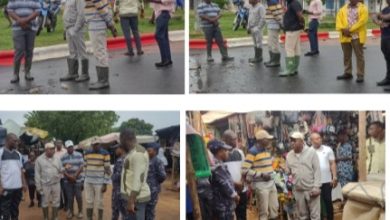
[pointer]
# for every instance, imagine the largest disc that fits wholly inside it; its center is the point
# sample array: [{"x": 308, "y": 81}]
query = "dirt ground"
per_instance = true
[{"x": 168, "y": 206}]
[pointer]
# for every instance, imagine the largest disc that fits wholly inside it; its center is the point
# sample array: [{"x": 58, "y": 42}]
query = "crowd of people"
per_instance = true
[
  {"x": 309, "y": 174},
  {"x": 61, "y": 175},
  {"x": 97, "y": 17},
  {"x": 351, "y": 23}
]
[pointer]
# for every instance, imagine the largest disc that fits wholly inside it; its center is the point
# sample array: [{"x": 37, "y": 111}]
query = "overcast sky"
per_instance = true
[{"x": 158, "y": 119}]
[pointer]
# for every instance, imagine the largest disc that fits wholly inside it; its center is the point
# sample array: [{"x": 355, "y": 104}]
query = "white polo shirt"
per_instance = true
[
  {"x": 325, "y": 155},
  {"x": 10, "y": 169}
]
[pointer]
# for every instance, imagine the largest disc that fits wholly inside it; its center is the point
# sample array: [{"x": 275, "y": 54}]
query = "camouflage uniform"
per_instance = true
[
  {"x": 156, "y": 176},
  {"x": 119, "y": 204},
  {"x": 223, "y": 191}
]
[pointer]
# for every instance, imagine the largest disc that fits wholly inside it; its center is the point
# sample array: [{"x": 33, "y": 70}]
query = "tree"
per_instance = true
[
  {"x": 139, "y": 126},
  {"x": 73, "y": 125}
]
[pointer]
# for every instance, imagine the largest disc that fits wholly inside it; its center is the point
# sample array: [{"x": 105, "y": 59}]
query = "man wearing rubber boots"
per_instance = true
[
  {"x": 274, "y": 18},
  {"x": 74, "y": 31},
  {"x": 98, "y": 15},
  {"x": 24, "y": 28}
]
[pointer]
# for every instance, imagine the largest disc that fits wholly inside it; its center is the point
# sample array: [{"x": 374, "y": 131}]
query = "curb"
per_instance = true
[
  {"x": 247, "y": 41},
  {"x": 61, "y": 50}
]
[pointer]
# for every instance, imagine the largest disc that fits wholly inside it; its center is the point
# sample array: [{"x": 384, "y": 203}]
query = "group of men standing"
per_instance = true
[
  {"x": 61, "y": 174},
  {"x": 313, "y": 172},
  {"x": 351, "y": 23},
  {"x": 98, "y": 15}
]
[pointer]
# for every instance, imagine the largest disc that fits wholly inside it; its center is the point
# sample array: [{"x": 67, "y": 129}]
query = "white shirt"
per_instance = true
[
  {"x": 325, "y": 155},
  {"x": 10, "y": 169}
]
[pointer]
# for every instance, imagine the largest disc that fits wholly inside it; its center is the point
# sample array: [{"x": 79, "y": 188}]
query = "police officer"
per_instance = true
[{"x": 156, "y": 176}]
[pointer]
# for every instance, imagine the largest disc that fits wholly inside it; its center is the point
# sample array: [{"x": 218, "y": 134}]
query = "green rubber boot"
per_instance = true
[{"x": 290, "y": 65}]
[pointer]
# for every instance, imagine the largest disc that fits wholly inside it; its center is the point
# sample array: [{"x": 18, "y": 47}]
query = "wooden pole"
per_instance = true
[
  {"x": 191, "y": 182},
  {"x": 362, "y": 147}
]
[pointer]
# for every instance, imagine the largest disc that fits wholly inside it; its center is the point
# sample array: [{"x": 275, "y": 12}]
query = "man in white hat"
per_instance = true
[
  {"x": 73, "y": 163},
  {"x": 257, "y": 168},
  {"x": 303, "y": 164},
  {"x": 48, "y": 173},
  {"x": 97, "y": 175}
]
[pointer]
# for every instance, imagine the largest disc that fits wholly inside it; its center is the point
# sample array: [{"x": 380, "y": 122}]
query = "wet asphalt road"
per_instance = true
[
  {"x": 136, "y": 75},
  {"x": 316, "y": 74}
]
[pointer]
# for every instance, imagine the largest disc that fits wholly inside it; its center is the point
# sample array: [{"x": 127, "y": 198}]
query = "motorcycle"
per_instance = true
[
  {"x": 47, "y": 17},
  {"x": 242, "y": 14}
]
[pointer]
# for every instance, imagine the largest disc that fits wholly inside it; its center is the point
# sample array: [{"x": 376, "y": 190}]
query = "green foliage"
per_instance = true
[
  {"x": 73, "y": 125},
  {"x": 139, "y": 126},
  {"x": 221, "y": 3},
  {"x": 3, "y": 3}
]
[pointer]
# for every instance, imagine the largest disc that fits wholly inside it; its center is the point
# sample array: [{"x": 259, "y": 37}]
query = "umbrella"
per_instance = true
[
  {"x": 13, "y": 127},
  {"x": 84, "y": 144},
  {"x": 37, "y": 132}
]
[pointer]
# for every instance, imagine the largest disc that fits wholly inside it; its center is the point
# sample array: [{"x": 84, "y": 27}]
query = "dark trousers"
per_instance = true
[
  {"x": 151, "y": 206},
  {"x": 241, "y": 207},
  {"x": 9, "y": 208},
  {"x": 385, "y": 47},
  {"x": 32, "y": 191},
  {"x": 23, "y": 45},
  {"x": 313, "y": 38},
  {"x": 326, "y": 195},
  {"x": 63, "y": 201},
  {"x": 72, "y": 191},
  {"x": 162, "y": 37},
  {"x": 211, "y": 33},
  {"x": 130, "y": 26}
]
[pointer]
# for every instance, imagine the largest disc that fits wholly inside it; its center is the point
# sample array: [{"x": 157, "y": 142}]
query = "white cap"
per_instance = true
[
  {"x": 263, "y": 134},
  {"x": 297, "y": 135},
  {"x": 69, "y": 143},
  {"x": 49, "y": 145}
]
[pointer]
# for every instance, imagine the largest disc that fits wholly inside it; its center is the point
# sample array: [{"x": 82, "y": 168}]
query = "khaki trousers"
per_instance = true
[
  {"x": 99, "y": 45},
  {"x": 93, "y": 195},
  {"x": 357, "y": 48},
  {"x": 51, "y": 193},
  {"x": 293, "y": 43},
  {"x": 267, "y": 202},
  {"x": 273, "y": 40},
  {"x": 308, "y": 207}
]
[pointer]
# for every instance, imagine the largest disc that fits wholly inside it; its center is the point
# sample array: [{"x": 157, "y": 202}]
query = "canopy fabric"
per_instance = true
[
  {"x": 171, "y": 132},
  {"x": 37, "y": 132},
  {"x": 13, "y": 127},
  {"x": 110, "y": 138},
  {"x": 85, "y": 144},
  {"x": 213, "y": 116}
]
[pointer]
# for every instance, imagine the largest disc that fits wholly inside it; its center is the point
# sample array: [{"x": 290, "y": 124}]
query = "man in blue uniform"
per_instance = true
[{"x": 156, "y": 176}]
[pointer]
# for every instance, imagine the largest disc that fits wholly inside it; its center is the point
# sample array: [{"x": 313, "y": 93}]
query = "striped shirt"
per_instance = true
[
  {"x": 10, "y": 169},
  {"x": 72, "y": 163},
  {"x": 97, "y": 167},
  {"x": 210, "y": 10},
  {"x": 257, "y": 161},
  {"x": 23, "y": 9},
  {"x": 98, "y": 14},
  {"x": 274, "y": 16}
]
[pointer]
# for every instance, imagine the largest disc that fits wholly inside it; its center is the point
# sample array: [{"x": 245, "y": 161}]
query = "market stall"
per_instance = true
[{"x": 280, "y": 124}]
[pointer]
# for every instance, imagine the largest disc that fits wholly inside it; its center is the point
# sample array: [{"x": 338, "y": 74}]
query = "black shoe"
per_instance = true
[
  {"x": 31, "y": 204},
  {"x": 384, "y": 82},
  {"x": 163, "y": 64},
  {"x": 387, "y": 89},
  {"x": 15, "y": 79},
  {"x": 360, "y": 80},
  {"x": 139, "y": 53},
  {"x": 345, "y": 77},
  {"x": 130, "y": 54},
  {"x": 226, "y": 59},
  {"x": 311, "y": 53}
]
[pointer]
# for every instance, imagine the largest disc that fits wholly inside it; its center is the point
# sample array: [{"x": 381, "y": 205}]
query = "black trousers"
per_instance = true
[
  {"x": 10, "y": 200},
  {"x": 63, "y": 199},
  {"x": 241, "y": 207},
  {"x": 32, "y": 191},
  {"x": 385, "y": 47},
  {"x": 326, "y": 195}
]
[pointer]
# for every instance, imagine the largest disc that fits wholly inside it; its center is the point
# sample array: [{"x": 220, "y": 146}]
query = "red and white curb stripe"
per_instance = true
[{"x": 247, "y": 41}]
